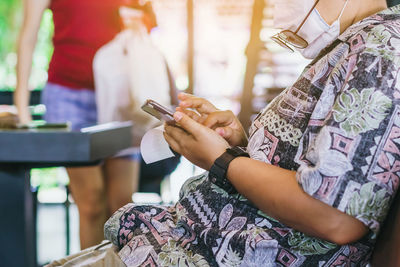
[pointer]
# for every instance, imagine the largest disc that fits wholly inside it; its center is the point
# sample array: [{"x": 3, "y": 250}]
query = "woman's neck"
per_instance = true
[{"x": 360, "y": 9}]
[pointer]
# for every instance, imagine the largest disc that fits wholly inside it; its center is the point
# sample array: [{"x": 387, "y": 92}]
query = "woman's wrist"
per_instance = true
[
  {"x": 218, "y": 171},
  {"x": 245, "y": 141}
]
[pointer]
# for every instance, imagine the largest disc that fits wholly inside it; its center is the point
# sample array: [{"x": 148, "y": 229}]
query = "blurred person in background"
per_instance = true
[{"x": 80, "y": 29}]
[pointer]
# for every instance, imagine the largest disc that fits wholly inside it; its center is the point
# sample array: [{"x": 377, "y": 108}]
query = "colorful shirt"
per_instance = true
[{"x": 338, "y": 127}]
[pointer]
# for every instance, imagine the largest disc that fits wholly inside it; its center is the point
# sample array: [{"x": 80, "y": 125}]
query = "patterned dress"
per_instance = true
[{"x": 338, "y": 126}]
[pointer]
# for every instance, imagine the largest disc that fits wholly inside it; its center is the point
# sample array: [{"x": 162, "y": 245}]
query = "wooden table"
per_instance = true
[{"x": 22, "y": 150}]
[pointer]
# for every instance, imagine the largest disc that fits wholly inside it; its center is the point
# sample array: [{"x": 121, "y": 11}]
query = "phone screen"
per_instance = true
[{"x": 159, "y": 111}]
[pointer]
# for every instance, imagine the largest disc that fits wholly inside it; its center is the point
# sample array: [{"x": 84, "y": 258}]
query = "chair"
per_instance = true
[{"x": 387, "y": 248}]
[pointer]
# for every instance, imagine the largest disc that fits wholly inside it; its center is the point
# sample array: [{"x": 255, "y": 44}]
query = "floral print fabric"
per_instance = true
[{"x": 338, "y": 126}]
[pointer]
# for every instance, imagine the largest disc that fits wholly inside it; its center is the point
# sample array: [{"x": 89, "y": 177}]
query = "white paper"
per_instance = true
[{"x": 154, "y": 147}]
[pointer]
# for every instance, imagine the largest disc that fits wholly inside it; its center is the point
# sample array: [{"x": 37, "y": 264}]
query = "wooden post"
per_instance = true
[
  {"x": 190, "y": 49},
  {"x": 252, "y": 53}
]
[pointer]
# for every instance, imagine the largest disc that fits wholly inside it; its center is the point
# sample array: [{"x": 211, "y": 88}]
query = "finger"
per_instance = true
[
  {"x": 176, "y": 132},
  {"x": 231, "y": 136},
  {"x": 192, "y": 114},
  {"x": 172, "y": 143},
  {"x": 200, "y": 104},
  {"x": 188, "y": 124},
  {"x": 218, "y": 118},
  {"x": 183, "y": 96},
  {"x": 225, "y": 132},
  {"x": 176, "y": 137}
]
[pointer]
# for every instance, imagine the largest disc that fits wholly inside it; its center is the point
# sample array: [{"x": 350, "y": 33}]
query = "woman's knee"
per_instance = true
[
  {"x": 92, "y": 203},
  {"x": 88, "y": 190},
  {"x": 93, "y": 211},
  {"x": 121, "y": 182},
  {"x": 115, "y": 204}
]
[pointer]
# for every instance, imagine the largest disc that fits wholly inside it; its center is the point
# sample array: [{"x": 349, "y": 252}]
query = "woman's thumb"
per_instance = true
[
  {"x": 225, "y": 132},
  {"x": 186, "y": 122}
]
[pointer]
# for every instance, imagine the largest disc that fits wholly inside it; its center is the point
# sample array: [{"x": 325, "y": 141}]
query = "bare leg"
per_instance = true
[
  {"x": 122, "y": 177},
  {"x": 88, "y": 189}
]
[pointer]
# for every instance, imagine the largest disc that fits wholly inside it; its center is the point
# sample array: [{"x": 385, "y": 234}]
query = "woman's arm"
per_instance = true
[
  {"x": 33, "y": 12},
  {"x": 272, "y": 189},
  {"x": 276, "y": 192}
]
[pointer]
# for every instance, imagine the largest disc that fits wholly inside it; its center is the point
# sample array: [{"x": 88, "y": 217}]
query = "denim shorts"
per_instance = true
[
  {"x": 76, "y": 106},
  {"x": 64, "y": 104}
]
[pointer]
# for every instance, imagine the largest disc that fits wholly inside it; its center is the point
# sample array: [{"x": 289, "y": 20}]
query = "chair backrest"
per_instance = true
[{"x": 387, "y": 248}]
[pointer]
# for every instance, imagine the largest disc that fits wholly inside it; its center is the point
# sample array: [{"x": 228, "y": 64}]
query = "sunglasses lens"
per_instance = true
[
  {"x": 293, "y": 39},
  {"x": 280, "y": 42}
]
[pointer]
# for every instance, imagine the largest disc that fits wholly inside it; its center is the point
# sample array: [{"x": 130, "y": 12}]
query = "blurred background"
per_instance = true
[{"x": 217, "y": 49}]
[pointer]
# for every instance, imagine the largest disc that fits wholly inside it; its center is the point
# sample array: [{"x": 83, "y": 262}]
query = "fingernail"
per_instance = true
[
  {"x": 220, "y": 131},
  {"x": 178, "y": 116},
  {"x": 184, "y": 103}
]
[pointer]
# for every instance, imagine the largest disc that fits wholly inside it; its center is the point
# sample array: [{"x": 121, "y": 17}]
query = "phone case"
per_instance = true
[{"x": 159, "y": 111}]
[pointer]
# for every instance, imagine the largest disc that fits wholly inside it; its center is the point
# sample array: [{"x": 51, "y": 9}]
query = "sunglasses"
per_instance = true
[{"x": 288, "y": 39}]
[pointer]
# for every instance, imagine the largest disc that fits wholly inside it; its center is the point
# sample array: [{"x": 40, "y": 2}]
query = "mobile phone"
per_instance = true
[
  {"x": 159, "y": 111},
  {"x": 62, "y": 125}
]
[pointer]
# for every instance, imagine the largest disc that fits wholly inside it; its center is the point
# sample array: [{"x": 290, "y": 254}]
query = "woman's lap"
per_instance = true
[
  {"x": 210, "y": 227},
  {"x": 198, "y": 229}
]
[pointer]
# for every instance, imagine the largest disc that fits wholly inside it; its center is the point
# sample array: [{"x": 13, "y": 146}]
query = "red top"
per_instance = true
[{"x": 81, "y": 27}]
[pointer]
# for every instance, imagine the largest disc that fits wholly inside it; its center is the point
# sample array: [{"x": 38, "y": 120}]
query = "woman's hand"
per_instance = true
[
  {"x": 24, "y": 115},
  {"x": 201, "y": 106},
  {"x": 225, "y": 123},
  {"x": 199, "y": 144}
]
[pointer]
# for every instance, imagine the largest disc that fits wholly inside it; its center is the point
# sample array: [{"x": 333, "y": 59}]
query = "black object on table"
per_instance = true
[{"x": 22, "y": 150}]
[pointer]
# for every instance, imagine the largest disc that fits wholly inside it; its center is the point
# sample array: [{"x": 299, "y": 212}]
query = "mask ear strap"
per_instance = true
[{"x": 341, "y": 12}]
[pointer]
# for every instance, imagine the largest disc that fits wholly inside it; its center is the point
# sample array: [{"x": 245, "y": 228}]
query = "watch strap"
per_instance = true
[{"x": 219, "y": 169}]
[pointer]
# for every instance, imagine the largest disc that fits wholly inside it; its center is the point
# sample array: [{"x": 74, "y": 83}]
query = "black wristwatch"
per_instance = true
[{"x": 217, "y": 173}]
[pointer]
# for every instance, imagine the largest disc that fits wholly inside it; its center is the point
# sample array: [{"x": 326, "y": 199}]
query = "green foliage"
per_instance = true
[
  {"x": 47, "y": 178},
  {"x": 43, "y": 52},
  {"x": 9, "y": 20},
  {"x": 11, "y": 16}
]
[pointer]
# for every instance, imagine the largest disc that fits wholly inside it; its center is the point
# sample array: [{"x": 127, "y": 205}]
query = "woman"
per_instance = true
[
  {"x": 80, "y": 29},
  {"x": 323, "y": 156}
]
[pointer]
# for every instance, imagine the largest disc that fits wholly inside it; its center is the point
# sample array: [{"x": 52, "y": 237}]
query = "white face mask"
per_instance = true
[{"x": 289, "y": 14}]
